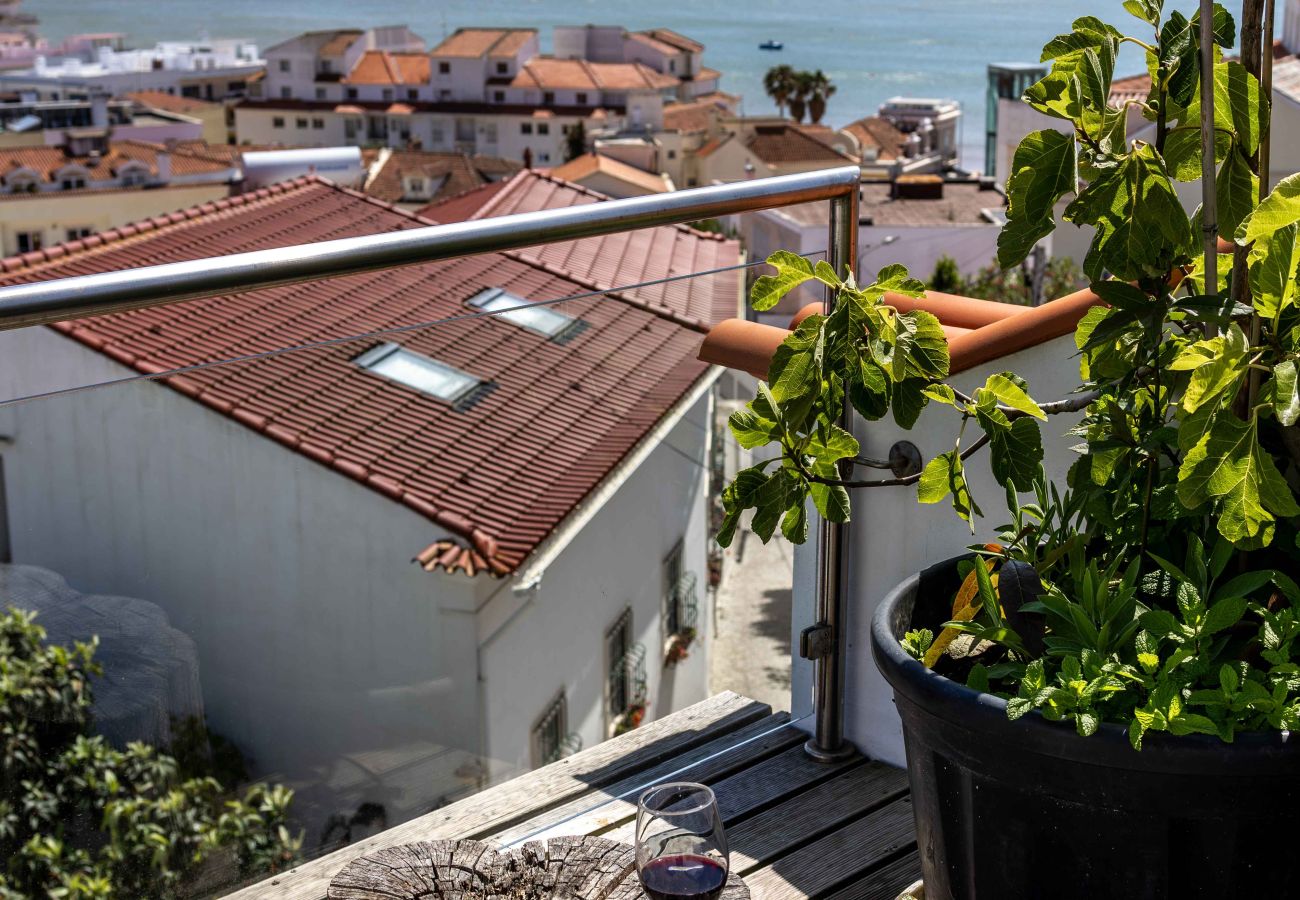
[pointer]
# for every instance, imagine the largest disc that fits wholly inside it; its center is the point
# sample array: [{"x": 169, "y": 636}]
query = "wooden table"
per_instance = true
[{"x": 797, "y": 828}]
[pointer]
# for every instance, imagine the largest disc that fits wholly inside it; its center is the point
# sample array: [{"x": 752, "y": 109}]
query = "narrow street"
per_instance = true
[{"x": 751, "y": 648}]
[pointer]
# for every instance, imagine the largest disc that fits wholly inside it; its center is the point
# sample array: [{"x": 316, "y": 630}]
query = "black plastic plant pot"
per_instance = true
[{"x": 1006, "y": 810}]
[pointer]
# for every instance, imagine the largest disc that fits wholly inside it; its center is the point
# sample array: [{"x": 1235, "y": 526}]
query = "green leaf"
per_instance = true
[
  {"x": 895, "y": 278},
  {"x": 934, "y": 484},
  {"x": 1217, "y": 365},
  {"x": 1230, "y": 466},
  {"x": 1274, "y": 268},
  {"x": 792, "y": 270},
  {"x": 927, "y": 351},
  {"x": 832, "y": 501},
  {"x": 1146, "y": 10},
  {"x": 1222, "y": 26},
  {"x": 825, "y": 274},
  {"x": 941, "y": 393},
  {"x": 1280, "y": 209},
  {"x": 751, "y": 429},
  {"x": 794, "y": 525},
  {"x": 1016, "y": 453},
  {"x": 1008, "y": 393},
  {"x": 833, "y": 444},
  {"x": 1237, "y": 187},
  {"x": 1141, "y": 226},
  {"x": 1044, "y": 169},
  {"x": 1224, "y": 614},
  {"x": 908, "y": 401},
  {"x": 1018, "y": 706},
  {"x": 771, "y": 502},
  {"x": 1286, "y": 393}
]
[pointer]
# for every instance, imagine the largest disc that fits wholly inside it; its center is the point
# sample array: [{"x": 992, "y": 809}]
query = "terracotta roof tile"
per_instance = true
[
  {"x": 339, "y": 43},
  {"x": 589, "y": 164},
  {"x": 459, "y": 173},
  {"x": 619, "y": 259},
  {"x": 494, "y": 475},
  {"x": 787, "y": 143},
  {"x": 475, "y": 42},
  {"x": 46, "y": 161},
  {"x": 385, "y": 67},
  {"x": 698, "y": 115},
  {"x": 548, "y": 73},
  {"x": 878, "y": 132}
]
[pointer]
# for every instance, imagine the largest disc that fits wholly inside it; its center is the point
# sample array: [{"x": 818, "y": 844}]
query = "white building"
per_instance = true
[
  {"x": 481, "y": 90},
  {"x": 208, "y": 70},
  {"x": 913, "y": 221},
  {"x": 547, "y": 472}
]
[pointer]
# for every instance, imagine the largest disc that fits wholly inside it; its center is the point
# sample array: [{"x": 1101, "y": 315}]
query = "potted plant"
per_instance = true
[
  {"x": 678, "y": 646},
  {"x": 631, "y": 718},
  {"x": 1102, "y": 698}
]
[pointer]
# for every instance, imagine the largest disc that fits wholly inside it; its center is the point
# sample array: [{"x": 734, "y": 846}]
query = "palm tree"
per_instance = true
[
  {"x": 820, "y": 91},
  {"x": 803, "y": 89},
  {"x": 779, "y": 83}
]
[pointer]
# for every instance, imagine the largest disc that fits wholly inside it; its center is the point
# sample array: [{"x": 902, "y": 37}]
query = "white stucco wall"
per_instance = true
[
  {"x": 317, "y": 636},
  {"x": 892, "y": 536},
  {"x": 555, "y": 639}
]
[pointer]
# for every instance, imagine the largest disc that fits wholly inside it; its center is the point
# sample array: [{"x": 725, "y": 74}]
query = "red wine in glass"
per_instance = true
[
  {"x": 681, "y": 850},
  {"x": 685, "y": 876}
]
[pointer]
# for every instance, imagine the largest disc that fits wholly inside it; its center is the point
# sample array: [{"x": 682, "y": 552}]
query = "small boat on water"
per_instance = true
[{"x": 771, "y": 45}]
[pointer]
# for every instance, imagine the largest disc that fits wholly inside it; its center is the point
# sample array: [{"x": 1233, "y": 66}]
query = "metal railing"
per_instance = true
[{"x": 43, "y": 303}]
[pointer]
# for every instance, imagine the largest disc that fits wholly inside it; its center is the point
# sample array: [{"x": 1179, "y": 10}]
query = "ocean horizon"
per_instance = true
[{"x": 872, "y": 50}]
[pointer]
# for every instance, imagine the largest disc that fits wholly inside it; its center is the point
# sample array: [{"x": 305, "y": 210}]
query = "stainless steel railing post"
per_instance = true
[{"x": 827, "y": 743}]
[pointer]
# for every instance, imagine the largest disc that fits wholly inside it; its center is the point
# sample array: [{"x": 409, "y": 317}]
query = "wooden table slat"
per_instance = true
[
  {"x": 806, "y": 816},
  {"x": 520, "y": 798},
  {"x": 758, "y": 786},
  {"x": 767, "y": 736},
  {"x": 885, "y": 883},
  {"x": 851, "y": 852}
]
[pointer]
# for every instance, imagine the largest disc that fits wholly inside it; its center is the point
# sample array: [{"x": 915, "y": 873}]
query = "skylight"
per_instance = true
[
  {"x": 417, "y": 371},
  {"x": 542, "y": 319}
]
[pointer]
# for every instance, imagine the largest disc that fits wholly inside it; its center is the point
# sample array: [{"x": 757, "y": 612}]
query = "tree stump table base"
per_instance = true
[{"x": 582, "y": 868}]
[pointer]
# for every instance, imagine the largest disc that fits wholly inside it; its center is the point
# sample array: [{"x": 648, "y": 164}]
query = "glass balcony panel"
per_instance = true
[{"x": 384, "y": 586}]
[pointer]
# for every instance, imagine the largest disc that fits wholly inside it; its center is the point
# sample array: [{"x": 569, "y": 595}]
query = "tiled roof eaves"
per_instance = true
[{"x": 480, "y": 543}]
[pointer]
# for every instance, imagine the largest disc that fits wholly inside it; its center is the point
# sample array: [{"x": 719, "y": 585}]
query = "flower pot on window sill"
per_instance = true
[
  {"x": 1028, "y": 808},
  {"x": 677, "y": 646},
  {"x": 629, "y": 720}
]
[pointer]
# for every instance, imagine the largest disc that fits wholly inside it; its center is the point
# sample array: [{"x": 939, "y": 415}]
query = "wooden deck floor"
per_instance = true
[{"x": 797, "y": 828}]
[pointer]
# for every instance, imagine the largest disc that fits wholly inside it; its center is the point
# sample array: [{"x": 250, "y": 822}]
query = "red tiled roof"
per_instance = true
[
  {"x": 384, "y": 67},
  {"x": 787, "y": 143},
  {"x": 475, "y": 42},
  {"x": 698, "y": 115},
  {"x": 461, "y": 172},
  {"x": 46, "y": 161},
  {"x": 875, "y": 131},
  {"x": 548, "y": 73},
  {"x": 462, "y": 206},
  {"x": 498, "y": 476},
  {"x": 340, "y": 41},
  {"x": 589, "y": 164},
  {"x": 619, "y": 259}
]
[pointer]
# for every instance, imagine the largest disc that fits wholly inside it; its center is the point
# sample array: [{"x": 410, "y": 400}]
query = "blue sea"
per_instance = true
[{"x": 871, "y": 49}]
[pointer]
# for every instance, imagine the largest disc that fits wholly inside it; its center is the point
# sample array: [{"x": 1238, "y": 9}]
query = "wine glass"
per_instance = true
[{"x": 681, "y": 849}]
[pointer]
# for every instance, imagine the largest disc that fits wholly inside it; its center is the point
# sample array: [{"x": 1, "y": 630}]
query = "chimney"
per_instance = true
[
  {"x": 99, "y": 110},
  {"x": 164, "y": 163}
]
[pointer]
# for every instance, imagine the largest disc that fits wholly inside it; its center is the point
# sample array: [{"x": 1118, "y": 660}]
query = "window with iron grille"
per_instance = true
[
  {"x": 674, "y": 620},
  {"x": 550, "y": 732},
  {"x": 618, "y": 642}
]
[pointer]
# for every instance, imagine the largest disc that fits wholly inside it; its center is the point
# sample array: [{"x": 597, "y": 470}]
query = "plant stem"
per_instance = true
[{"x": 1262, "y": 170}]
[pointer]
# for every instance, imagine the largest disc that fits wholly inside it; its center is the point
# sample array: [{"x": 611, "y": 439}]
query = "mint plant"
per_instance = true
[{"x": 1189, "y": 393}]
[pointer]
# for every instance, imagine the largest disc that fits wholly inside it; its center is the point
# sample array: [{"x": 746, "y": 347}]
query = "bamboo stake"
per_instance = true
[
  {"x": 1262, "y": 169},
  {"x": 1209, "y": 217}
]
